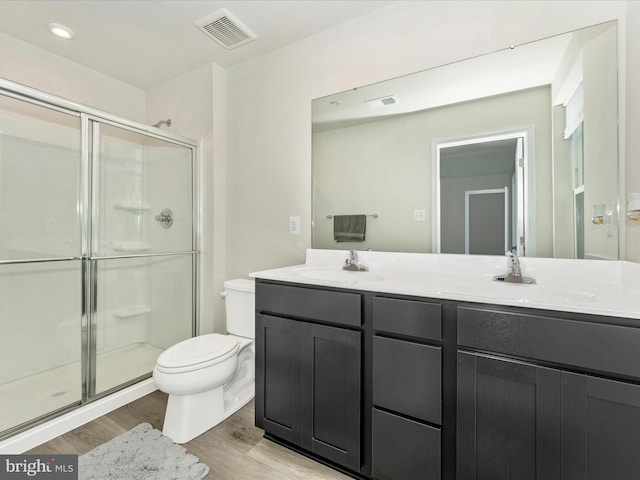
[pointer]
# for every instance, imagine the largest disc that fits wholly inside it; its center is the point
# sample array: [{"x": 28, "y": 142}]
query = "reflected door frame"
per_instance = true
[{"x": 523, "y": 186}]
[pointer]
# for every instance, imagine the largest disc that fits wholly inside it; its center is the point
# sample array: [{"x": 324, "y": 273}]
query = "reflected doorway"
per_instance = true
[
  {"x": 486, "y": 221},
  {"x": 480, "y": 199}
]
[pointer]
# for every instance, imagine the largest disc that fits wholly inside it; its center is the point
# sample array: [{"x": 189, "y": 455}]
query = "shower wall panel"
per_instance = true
[
  {"x": 39, "y": 182},
  {"x": 40, "y": 318},
  {"x": 169, "y": 179},
  {"x": 144, "y": 305}
]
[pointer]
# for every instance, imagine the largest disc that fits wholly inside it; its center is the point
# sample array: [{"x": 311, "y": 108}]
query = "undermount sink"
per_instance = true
[
  {"x": 337, "y": 274},
  {"x": 523, "y": 293}
]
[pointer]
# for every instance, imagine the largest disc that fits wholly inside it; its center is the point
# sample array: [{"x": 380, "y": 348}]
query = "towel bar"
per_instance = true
[{"x": 374, "y": 215}]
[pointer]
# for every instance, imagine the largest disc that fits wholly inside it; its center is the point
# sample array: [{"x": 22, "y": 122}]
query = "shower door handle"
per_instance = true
[{"x": 165, "y": 218}]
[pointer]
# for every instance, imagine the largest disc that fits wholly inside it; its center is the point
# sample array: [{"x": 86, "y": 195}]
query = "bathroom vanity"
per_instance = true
[{"x": 414, "y": 371}]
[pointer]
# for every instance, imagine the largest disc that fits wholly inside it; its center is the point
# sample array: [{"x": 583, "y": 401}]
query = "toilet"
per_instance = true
[{"x": 209, "y": 377}]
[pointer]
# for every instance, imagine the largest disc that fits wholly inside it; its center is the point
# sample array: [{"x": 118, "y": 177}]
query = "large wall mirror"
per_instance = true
[{"x": 514, "y": 150}]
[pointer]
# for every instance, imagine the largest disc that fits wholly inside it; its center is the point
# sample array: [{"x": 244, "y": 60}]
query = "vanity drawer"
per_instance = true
[
  {"x": 407, "y": 378},
  {"x": 308, "y": 303},
  {"x": 407, "y": 317},
  {"x": 404, "y": 449},
  {"x": 598, "y": 347}
]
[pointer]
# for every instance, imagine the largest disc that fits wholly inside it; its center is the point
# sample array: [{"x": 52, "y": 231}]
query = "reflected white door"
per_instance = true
[{"x": 486, "y": 221}]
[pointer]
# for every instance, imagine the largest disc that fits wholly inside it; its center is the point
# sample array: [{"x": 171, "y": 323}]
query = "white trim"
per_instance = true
[{"x": 40, "y": 434}]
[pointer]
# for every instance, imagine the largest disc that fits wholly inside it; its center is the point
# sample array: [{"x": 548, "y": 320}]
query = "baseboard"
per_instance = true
[{"x": 44, "y": 432}]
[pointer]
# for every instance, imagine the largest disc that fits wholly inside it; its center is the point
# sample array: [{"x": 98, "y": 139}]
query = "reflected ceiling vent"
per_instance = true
[
  {"x": 382, "y": 102},
  {"x": 226, "y": 29}
]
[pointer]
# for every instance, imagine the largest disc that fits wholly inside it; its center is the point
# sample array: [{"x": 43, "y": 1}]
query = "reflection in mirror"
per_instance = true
[
  {"x": 481, "y": 189},
  {"x": 507, "y": 151}
]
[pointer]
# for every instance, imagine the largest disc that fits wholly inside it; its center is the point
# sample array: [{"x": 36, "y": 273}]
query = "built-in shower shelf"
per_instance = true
[
  {"x": 134, "y": 311},
  {"x": 131, "y": 247},
  {"x": 135, "y": 209}
]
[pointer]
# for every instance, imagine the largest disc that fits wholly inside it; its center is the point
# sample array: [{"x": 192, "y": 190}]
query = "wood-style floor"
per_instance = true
[{"x": 233, "y": 450}]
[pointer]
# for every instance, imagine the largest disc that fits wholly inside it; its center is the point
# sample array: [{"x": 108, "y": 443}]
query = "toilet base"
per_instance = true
[{"x": 188, "y": 416}]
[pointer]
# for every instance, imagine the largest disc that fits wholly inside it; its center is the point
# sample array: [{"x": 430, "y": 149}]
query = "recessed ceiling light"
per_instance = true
[{"x": 61, "y": 31}]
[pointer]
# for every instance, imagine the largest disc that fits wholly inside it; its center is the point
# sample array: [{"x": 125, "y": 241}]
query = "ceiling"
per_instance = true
[
  {"x": 147, "y": 42},
  {"x": 508, "y": 70}
]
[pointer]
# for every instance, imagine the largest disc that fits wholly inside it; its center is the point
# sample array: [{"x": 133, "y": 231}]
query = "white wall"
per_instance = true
[
  {"x": 195, "y": 103},
  {"x": 269, "y": 100},
  {"x": 23, "y": 63},
  {"x": 381, "y": 167}
]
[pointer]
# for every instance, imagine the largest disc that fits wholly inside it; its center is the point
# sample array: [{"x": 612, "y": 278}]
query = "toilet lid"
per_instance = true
[{"x": 197, "y": 351}]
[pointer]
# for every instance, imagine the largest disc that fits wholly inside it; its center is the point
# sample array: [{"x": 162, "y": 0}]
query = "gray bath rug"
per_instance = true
[{"x": 142, "y": 453}]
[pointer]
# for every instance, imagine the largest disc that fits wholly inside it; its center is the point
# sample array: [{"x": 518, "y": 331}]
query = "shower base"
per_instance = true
[{"x": 37, "y": 395}]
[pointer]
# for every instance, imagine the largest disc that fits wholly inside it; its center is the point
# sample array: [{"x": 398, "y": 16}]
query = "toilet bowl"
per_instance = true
[{"x": 209, "y": 377}]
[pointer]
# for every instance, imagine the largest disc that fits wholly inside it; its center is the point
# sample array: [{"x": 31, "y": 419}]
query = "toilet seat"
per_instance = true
[{"x": 197, "y": 352}]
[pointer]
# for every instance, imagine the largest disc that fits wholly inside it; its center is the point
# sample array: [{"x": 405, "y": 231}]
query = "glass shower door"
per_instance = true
[
  {"x": 40, "y": 265},
  {"x": 143, "y": 252},
  {"x": 98, "y": 253}
]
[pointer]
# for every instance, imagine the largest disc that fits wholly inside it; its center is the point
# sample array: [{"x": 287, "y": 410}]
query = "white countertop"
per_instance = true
[{"x": 584, "y": 286}]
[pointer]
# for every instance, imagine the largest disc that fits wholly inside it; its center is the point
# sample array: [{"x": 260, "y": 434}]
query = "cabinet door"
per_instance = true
[
  {"x": 331, "y": 393},
  {"x": 600, "y": 428},
  {"x": 508, "y": 420},
  {"x": 279, "y": 377},
  {"x": 404, "y": 449}
]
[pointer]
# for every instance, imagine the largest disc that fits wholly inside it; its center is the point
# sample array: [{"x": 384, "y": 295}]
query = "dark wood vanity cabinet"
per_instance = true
[
  {"x": 308, "y": 374},
  {"x": 352, "y": 378},
  {"x": 600, "y": 428},
  {"x": 394, "y": 387},
  {"x": 279, "y": 377},
  {"x": 331, "y": 393},
  {"x": 508, "y": 420},
  {"x": 407, "y": 389},
  {"x": 532, "y": 403}
]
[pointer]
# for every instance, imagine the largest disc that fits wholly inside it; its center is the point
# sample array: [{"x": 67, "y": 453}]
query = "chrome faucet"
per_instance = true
[
  {"x": 514, "y": 271},
  {"x": 353, "y": 263}
]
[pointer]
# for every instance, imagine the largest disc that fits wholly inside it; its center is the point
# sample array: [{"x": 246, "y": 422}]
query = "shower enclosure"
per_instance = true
[{"x": 98, "y": 253}]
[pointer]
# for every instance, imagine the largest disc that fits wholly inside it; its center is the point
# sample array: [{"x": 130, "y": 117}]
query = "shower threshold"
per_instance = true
[{"x": 37, "y": 395}]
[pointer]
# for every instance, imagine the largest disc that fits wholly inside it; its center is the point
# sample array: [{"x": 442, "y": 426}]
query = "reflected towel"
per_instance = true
[{"x": 349, "y": 228}]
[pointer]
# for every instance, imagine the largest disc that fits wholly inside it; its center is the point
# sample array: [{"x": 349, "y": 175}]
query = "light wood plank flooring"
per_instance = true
[{"x": 233, "y": 450}]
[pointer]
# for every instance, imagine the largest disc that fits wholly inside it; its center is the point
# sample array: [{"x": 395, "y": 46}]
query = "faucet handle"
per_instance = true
[{"x": 512, "y": 258}]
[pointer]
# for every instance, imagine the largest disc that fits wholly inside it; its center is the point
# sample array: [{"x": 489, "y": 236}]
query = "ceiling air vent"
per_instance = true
[
  {"x": 382, "y": 102},
  {"x": 225, "y": 29}
]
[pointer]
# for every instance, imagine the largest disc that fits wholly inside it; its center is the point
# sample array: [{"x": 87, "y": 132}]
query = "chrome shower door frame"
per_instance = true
[
  {"x": 90, "y": 122},
  {"x": 91, "y": 160}
]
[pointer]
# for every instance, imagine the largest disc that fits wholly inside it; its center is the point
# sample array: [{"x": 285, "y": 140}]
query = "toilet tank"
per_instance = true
[{"x": 239, "y": 297}]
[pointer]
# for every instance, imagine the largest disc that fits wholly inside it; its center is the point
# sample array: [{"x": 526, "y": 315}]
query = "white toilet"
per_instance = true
[{"x": 209, "y": 377}]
